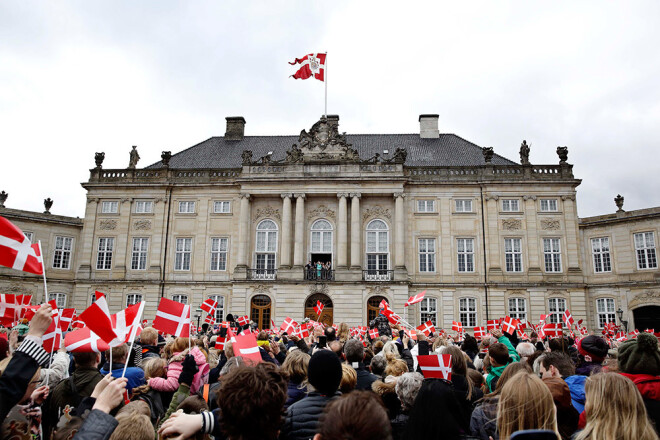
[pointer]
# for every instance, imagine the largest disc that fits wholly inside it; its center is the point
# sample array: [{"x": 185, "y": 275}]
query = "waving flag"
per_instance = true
[
  {"x": 479, "y": 332},
  {"x": 84, "y": 341},
  {"x": 318, "y": 308},
  {"x": 457, "y": 327},
  {"x": 509, "y": 325},
  {"x": 568, "y": 319},
  {"x": 373, "y": 333},
  {"x": 491, "y": 324},
  {"x": 173, "y": 318},
  {"x": 437, "y": 366},
  {"x": 97, "y": 318},
  {"x": 427, "y": 328},
  {"x": 16, "y": 251},
  {"x": 415, "y": 299},
  {"x": 245, "y": 345},
  {"x": 243, "y": 320},
  {"x": 312, "y": 64},
  {"x": 52, "y": 339},
  {"x": 209, "y": 306},
  {"x": 288, "y": 325},
  {"x": 66, "y": 316}
]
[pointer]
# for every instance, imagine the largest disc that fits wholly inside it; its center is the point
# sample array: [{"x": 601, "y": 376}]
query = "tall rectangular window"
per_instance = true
[
  {"x": 510, "y": 205},
  {"x": 182, "y": 254},
  {"x": 645, "y": 249},
  {"x": 220, "y": 308},
  {"x": 62, "y": 253},
  {"x": 133, "y": 298},
  {"x": 464, "y": 205},
  {"x": 425, "y": 206},
  {"x": 552, "y": 254},
  {"x": 556, "y": 309},
  {"x": 467, "y": 312},
  {"x": 428, "y": 309},
  {"x": 427, "y": 254},
  {"x": 60, "y": 299},
  {"x": 605, "y": 311},
  {"x": 219, "y": 253},
  {"x": 600, "y": 248},
  {"x": 109, "y": 207},
  {"x": 222, "y": 207},
  {"x": 465, "y": 250},
  {"x": 139, "y": 254},
  {"x": 518, "y": 308},
  {"x": 144, "y": 206},
  {"x": 513, "y": 254},
  {"x": 186, "y": 207},
  {"x": 104, "y": 256},
  {"x": 183, "y": 299},
  {"x": 548, "y": 205}
]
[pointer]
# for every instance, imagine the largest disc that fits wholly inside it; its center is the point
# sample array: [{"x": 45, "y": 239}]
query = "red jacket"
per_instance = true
[{"x": 648, "y": 385}]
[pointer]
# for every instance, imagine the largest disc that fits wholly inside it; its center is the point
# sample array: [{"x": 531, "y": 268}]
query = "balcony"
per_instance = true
[
  {"x": 316, "y": 275},
  {"x": 262, "y": 274},
  {"x": 378, "y": 275}
]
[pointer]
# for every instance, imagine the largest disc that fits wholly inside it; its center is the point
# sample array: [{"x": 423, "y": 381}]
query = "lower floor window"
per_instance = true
[
  {"x": 429, "y": 310},
  {"x": 556, "y": 309},
  {"x": 517, "y": 308},
  {"x": 467, "y": 308},
  {"x": 605, "y": 310},
  {"x": 60, "y": 299},
  {"x": 133, "y": 298},
  {"x": 183, "y": 299}
]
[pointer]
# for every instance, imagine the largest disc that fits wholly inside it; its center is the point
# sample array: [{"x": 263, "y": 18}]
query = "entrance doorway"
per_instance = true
[
  {"x": 647, "y": 317},
  {"x": 260, "y": 311},
  {"x": 326, "y": 314},
  {"x": 373, "y": 307}
]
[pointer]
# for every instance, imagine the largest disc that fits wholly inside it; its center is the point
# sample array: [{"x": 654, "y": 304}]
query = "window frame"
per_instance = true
[
  {"x": 216, "y": 255},
  {"x": 555, "y": 266},
  {"x": 322, "y": 232},
  {"x": 517, "y": 312},
  {"x": 467, "y": 316},
  {"x": 515, "y": 255},
  {"x": 188, "y": 204},
  {"x": 426, "y": 256},
  {"x": 649, "y": 253},
  {"x": 601, "y": 259},
  {"x": 29, "y": 236},
  {"x": 556, "y": 317},
  {"x": 221, "y": 203},
  {"x": 105, "y": 253},
  {"x": 377, "y": 254},
  {"x": 113, "y": 206},
  {"x": 180, "y": 259},
  {"x": 425, "y": 203},
  {"x": 428, "y": 312},
  {"x": 64, "y": 252},
  {"x": 606, "y": 313},
  {"x": 179, "y": 296},
  {"x": 266, "y": 258},
  {"x": 57, "y": 296},
  {"x": 144, "y": 204},
  {"x": 140, "y": 255},
  {"x": 549, "y": 202},
  {"x": 220, "y": 309},
  {"x": 465, "y": 205},
  {"x": 507, "y": 205},
  {"x": 133, "y": 296},
  {"x": 467, "y": 256}
]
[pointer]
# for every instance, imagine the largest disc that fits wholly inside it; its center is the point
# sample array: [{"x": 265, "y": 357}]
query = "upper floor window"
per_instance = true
[
  {"x": 556, "y": 309},
  {"x": 139, "y": 254},
  {"x": 467, "y": 312},
  {"x": 220, "y": 308},
  {"x": 183, "y": 253},
  {"x": 219, "y": 253},
  {"x": 427, "y": 255},
  {"x": 513, "y": 254},
  {"x": 186, "y": 207},
  {"x": 104, "y": 256},
  {"x": 518, "y": 308},
  {"x": 29, "y": 236},
  {"x": 109, "y": 207},
  {"x": 222, "y": 207},
  {"x": 62, "y": 253},
  {"x": 183, "y": 299},
  {"x": 600, "y": 248},
  {"x": 377, "y": 245},
  {"x": 322, "y": 237},
  {"x": 645, "y": 248},
  {"x": 266, "y": 244},
  {"x": 428, "y": 309},
  {"x": 510, "y": 205},
  {"x": 144, "y": 206},
  {"x": 463, "y": 205},
  {"x": 552, "y": 254},
  {"x": 465, "y": 251},
  {"x": 425, "y": 206},
  {"x": 548, "y": 204},
  {"x": 133, "y": 298},
  {"x": 605, "y": 311}
]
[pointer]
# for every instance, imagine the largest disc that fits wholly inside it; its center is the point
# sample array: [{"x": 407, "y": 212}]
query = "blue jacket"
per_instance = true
[
  {"x": 576, "y": 386},
  {"x": 134, "y": 375}
]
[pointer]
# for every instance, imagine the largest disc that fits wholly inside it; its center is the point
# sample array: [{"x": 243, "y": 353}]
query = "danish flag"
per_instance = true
[
  {"x": 243, "y": 320},
  {"x": 245, "y": 345},
  {"x": 415, "y": 299},
  {"x": 427, "y": 328},
  {"x": 492, "y": 324},
  {"x": 621, "y": 336},
  {"x": 304, "y": 330},
  {"x": 97, "y": 318},
  {"x": 479, "y": 332},
  {"x": 522, "y": 335},
  {"x": 52, "y": 339},
  {"x": 457, "y": 326},
  {"x": 9, "y": 310},
  {"x": 552, "y": 330},
  {"x": 373, "y": 333},
  {"x": 220, "y": 343},
  {"x": 16, "y": 251},
  {"x": 288, "y": 325},
  {"x": 568, "y": 319},
  {"x": 436, "y": 366},
  {"x": 84, "y": 341},
  {"x": 272, "y": 324},
  {"x": 318, "y": 308},
  {"x": 173, "y": 317},
  {"x": 649, "y": 330},
  {"x": 393, "y": 318},
  {"x": 210, "y": 319},
  {"x": 193, "y": 328},
  {"x": 209, "y": 306},
  {"x": 509, "y": 325},
  {"x": 65, "y": 319},
  {"x": 126, "y": 324},
  {"x": 312, "y": 64}
]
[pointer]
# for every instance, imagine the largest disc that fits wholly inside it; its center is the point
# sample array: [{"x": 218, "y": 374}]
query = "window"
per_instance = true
[
  {"x": 465, "y": 247},
  {"x": 29, "y": 236},
  {"x": 600, "y": 248},
  {"x": 139, "y": 255},
  {"x": 104, "y": 257},
  {"x": 186, "y": 207},
  {"x": 645, "y": 247},
  {"x": 429, "y": 310},
  {"x": 513, "y": 254},
  {"x": 222, "y": 207},
  {"x": 92, "y": 298},
  {"x": 321, "y": 237},
  {"x": 467, "y": 312},
  {"x": 510, "y": 205},
  {"x": 60, "y": 299},
  {"x": 552, "y": 254},
  {"x": 464, "y": 205},
  {"x": 517, "y": 308},
  {"x": 62, "y": 253},
  {"x": 220, "y": 308},
  {"x": 605, "y": 310},
  {"x": 144, "y": 206},
  {"x": 219, "y": 253},
  {"x": 109, "y": 207},
  {"x": 266, "y": 247},
  {"x": 182, "y": 254},
  {"x": 377, "y": 248},
  {"x": 133, "y": 298},
  {"x": 183, "y": 299},
  {"x": 427, "y": 255},
  {"x": 548, "y": 205},
  {"x": 556, "y": 309},
  {"x": 425, "y": 206}
]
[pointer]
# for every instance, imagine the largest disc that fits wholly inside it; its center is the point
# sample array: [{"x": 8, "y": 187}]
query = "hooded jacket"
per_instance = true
[
  {"x": 649, "y": 387},
  {"x": 576, "y": 386},
  {"x": 302, "y": 418},
  {"x": 174, "y": 368}
]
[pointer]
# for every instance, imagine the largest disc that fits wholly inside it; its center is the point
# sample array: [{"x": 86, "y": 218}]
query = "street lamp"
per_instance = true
[
  {"x": 197, "y": 315},
  {"x": 625, "y": 323}
]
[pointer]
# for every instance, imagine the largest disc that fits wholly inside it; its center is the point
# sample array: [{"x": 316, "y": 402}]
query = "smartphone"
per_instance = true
[
  {"x": 534, "y": 434},
  {"x": 323, "y": 341}
]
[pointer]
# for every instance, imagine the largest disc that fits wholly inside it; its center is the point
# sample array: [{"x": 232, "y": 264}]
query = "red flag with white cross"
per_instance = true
[
  {"x": 415, "y": 299},
  {"x": 435, "y": 366},
  {"x": 289, "y": 325},
  {"x": 84, "y": 340},
  {"x": 318, "y": 308},
  {"x": 373, "y": 333},
  {"x": 243, "y": 320},
  {"x": 479, "y": 332},
  {"x": 509, "y": 325},
  {"x": 173, "y": 317},
  {"x": 16, "y": 251},
  {"x": 209, "y": 306},
  {"x": 568, "y": 319},
  {"x": 427, "y": 328},
  {"x": 457, "y": 326},
  {"x": 492, "y": 324},
  {"x": 312, "y": 64}
]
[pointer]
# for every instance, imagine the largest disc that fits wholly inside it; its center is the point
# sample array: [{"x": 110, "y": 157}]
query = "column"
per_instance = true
[
  {"x": 300, "y": 230},
  {"x": 243, "y": 230},
  {"x": 572, "y": 240},
  {"x": 532, "y": 234},
  {"x": 399, "y": 231},
  {"x": 356, "y": 232},
  {"x": 492, "y": 243},
  {"x": 342, "y": 232},
  {"x": 285, "y": 258}
]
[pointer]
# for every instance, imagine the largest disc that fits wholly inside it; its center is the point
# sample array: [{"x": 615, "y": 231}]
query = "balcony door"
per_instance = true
[{"x": 260, "y": 311}]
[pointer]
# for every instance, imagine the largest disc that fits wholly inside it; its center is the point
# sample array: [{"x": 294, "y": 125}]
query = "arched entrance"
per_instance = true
[
  {"x": 372, "y": 307},
  {"x": 260, "y": 311},
  {"x": 326, "y": 314},
  {"x": 647, "y": 317}
]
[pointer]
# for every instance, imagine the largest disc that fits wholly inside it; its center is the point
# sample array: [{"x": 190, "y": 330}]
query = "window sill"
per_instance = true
[
  {"x": 186, "y": 214},
  {"x": 222, "y": 214},
  {"x": 548, "y": 212},
  {"x": 146, "y": 214},
  {"x": 426, "y": 213},
  {"x": 109, "y": 214},
  {"x": 512, "y": 212},
  {"x": 465, "y": 213}
]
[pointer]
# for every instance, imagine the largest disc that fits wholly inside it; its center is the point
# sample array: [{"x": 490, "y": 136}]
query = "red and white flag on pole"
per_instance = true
[
  {"x": 568, "y": 319},
  {"x": 479, "y": 332},
  {"x": 289, "y": 325},
  {"x": 52, "y": 339},
  {"x": 427, "y": 328},
  {"x": 84, "y": 341},
  {"x": 16, "y": 251},
  {"x": 522, "y": 335},
  {"x": 552, "y": 330},
  {"x": 457, "y": 327},
  {"x": 312, "y": 64},
  {"x": 415, "y": 299},
  {"x": 9, "y": 310},
  {"x": 437, "y": 366},
  {"x": 66, "y": 316},
  {"x": 509, "y": 325},
  {"x": 373, "y": 333},
  {"x": 210, "y": 319},
  {"x": 209, "y": 306},
  {"x": 124, "y": 322},
  {"x": 97, "y": 318},
  {"x": 492, "y": 324},
  {"x": 245, "y": 345},
  {"x": 243, "y": 320},
  {"x": 318, "y": 308},
  {"x": 173, "y": 318}
]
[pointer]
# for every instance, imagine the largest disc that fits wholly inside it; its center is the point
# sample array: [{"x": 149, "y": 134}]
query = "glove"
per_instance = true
[{"x": 189, "y": 369}]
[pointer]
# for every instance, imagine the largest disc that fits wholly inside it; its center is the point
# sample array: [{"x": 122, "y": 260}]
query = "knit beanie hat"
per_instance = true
[
  {"x": 593, "y": 346},
  {"x": 324, "y": 372},
  {"x": 640, "y": 356}
]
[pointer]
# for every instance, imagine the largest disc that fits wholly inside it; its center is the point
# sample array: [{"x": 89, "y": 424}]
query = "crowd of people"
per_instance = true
[{"x": 330, "y": 385}]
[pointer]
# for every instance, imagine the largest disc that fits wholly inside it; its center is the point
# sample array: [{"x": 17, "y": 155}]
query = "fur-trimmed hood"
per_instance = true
[{"x": 387, "y": 387}]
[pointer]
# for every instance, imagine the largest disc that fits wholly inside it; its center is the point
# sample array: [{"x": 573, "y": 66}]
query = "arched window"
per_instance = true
[
  {"x": 373, "y": 307},
  {"x": 265, "y": 249},
  {"x": 321, "y": 237},
  {"x": 377, "y": 251}
]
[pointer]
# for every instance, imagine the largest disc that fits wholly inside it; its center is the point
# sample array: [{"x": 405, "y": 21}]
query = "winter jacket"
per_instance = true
[
  {"x": 134, "y": 375},
  {"x": 364, "y": 377},
  {"x": 576, "y": 386},
  {"x": 513, "y": 354},
  {"x": 399, "y": 424},
  {"x": 382, "y": 324},
  {"x": 460, "y": 387},
  {"x": 483, "y": 423},
  {"x": 59, "y": 369},
  {"x": 302, "y": 418},
  {"x": 493, "y": 376},
  {"x": 649, "y": 387},
  {"x": 171, "y": 383},
  {"x": 97, "y": 426},
  {"x": 387, "y": 392},
  {"x": 567, "y": 415},
  {"x": 294, "y": 393},
  {"x": 587, "y": 368},
  {"x": 150, "y": 351}
]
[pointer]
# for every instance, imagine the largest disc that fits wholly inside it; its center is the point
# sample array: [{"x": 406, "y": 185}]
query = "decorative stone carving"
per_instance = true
[
  {"x": 376, "y": 211},
  {"x": 646, "y": 298},
  {"x": 562, "y": 152},
  {"x": 261, "y": 288},
  {"x": 47, "y": 204},
  {"x": 618, "y": 200},
  {"x": 127, "y": 199},
  {"x": 529, "y": 197},
  {"x": 299, "y": 195},
  {"x": 488, "y": 197},
  {"x": 524, "y": 153},
  {"x": 142, "y": 225},
  {"x": 134, "y": 157},
  {"x": 294, "y": 155},
  {"x": 286, "y": 195},
  {"x": 355, "y": 195},
  {"x": 107, "y": 225},
  {"x": 400, "y": 155},
  {"x": 246, "y": 157},
  {"x": 342, "y": 194},
  {"x": 4, "y": 195},
  {"x": 511, "y": 224},
  {"x": 322, "y": 212},
  {"x": 550, "y": 225},
  {"x": 165, "y": 156},
  {"x": 377, "y": 290},
  {"x": 93, "y": 200},
  {"x": 398, "y": 194},
  {"x": 98, "y": 159},
  {"x": 568, "y": 197},
  {"x": 244, "y": 196},
  {"x": 488, "y": 154},
  {"x": 268, "y": 211},
  {"x": 319, "y": 288}
]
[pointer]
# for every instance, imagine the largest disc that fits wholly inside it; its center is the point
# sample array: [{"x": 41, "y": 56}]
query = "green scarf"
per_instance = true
[{"x": 494, "y": 372}]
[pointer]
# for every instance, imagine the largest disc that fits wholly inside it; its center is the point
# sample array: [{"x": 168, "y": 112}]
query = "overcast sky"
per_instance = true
[{"x": 78, "y": 77}]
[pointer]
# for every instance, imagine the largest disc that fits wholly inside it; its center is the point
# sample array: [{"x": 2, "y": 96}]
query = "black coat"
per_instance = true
[
  {"x": 97, "y": 426},
  {"x": 18, "y": 374},
  {"x": 364, "y": 378},
  {"x": 302, "y": 418}
]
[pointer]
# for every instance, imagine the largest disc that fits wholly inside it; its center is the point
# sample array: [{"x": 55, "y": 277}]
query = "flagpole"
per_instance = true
[
  {"x": 326, "y": 84},
  {"x": 136, "y": 321},
  {"x": 43, "y": 271}
]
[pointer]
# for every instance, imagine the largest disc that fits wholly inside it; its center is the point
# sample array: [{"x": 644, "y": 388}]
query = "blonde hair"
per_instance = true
[
  {"x": 348, "y": 379},
  {"x": 154, "y": 367},
  {"x": 395, "y": 367},
  {"x": 133, "y": 426},
  {"x": 295, "y": 365},
  {"x": 390, "y": 348},
  {"x": 149, "y": 335},
  {"x": 342, "y": 334},
  {"x": 614, "y": 409},
  {"x": 525, "y": 403},
  {"x": 439, "y": 342}
]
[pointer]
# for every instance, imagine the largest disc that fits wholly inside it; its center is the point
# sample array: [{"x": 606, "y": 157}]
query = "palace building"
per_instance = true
[{"x": 269, "y": 225}]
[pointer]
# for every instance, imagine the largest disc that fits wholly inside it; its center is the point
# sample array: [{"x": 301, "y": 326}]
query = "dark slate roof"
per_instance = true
[{"x": 447, "y": 150}]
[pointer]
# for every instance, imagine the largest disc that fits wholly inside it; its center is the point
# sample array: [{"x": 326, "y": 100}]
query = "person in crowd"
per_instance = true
[
  {"x": 179, "y": 349},
  {"x": 99, "y": 424},
  {"x": 348, "y": 379},
  {"x": 134, "y": 375},
  {"x": 377, "y": 366},
  {"x": 500, "y": 354},
  {"x": 59, "y": 369},
  {"x": 381, "y": 323},
  {"x": 567, "y": 415},
  {"x": 358, "y": 416},
  {"x": 525, "y": 350},
  {"x": 354, "y": 352},
  {"x": 153, "y": 367},
  {"x": 133, "y": 426},
  {"x": 294, "y": 369},
  {"x": 407, "y": 387},
  {"x": 470, "y": 346},
  {"x": 534, "y": 340},
  {"x": 614, "y": 410},
  {"x": 149, "y": 343},
  {"x": 466, "y": 393},
  {"x": 342, "y": 334},
  {"x": 559, "y": 365},
  {"x": 592, "y": 351},
  {"x": 386, "y": 388}
]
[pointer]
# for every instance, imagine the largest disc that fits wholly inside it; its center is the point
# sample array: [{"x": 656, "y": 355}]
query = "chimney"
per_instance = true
[
  {"x": 333, "y": 119},
  {"x": 235, "y": 128},
  {"x": 428, "y": 126}
]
